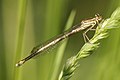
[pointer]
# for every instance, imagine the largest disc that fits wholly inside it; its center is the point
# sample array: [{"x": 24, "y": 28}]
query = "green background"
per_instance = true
[{"x": 27, "y": 23}]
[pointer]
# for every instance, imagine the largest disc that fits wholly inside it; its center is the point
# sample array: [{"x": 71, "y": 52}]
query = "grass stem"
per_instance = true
[{"x": 88, "y": 48}]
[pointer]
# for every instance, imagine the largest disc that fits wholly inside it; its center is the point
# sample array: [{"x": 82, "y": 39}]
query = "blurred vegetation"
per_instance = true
[{"x": 27, "y": 23}]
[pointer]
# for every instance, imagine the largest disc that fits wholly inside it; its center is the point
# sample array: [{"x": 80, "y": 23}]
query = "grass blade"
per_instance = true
[
  {"x": 20, "y": 35},
  {"x": 59, "y": 56}
]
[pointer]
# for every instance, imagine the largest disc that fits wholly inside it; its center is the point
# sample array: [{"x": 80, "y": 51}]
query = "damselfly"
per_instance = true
[{"x": 85, "y": 25}]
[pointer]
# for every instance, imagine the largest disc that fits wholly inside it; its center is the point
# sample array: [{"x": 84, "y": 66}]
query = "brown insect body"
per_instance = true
[{"x": 84, "y": 25}]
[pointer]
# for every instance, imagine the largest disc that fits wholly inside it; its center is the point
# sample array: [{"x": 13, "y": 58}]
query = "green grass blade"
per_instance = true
[
  {"x": 3, "y": 71},
  {"x": 58, "y": 58},
  {"x": 20, "y": 36}
]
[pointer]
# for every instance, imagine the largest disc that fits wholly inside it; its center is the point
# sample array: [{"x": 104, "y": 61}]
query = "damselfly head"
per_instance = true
[{"x": 98, "y": 17}]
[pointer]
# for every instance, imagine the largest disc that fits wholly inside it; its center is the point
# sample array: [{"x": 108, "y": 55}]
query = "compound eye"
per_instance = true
[{"x": 97, "y": 15}]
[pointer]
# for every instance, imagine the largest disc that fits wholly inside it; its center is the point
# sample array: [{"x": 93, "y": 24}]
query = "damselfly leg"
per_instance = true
[{"x": 85, "y": 37}]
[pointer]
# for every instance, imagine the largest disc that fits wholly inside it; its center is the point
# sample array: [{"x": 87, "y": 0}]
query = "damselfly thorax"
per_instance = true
[{"x": 85, "y": 25}]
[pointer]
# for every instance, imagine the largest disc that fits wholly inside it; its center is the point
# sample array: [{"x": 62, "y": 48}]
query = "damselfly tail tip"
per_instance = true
[{"x": 20, "y": 63}]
